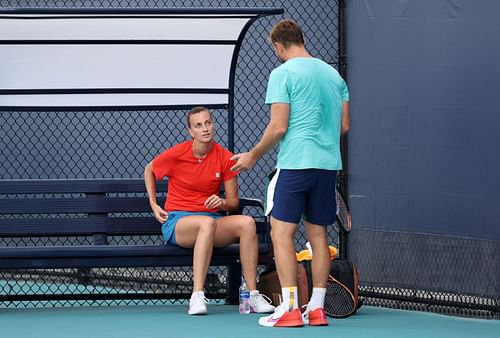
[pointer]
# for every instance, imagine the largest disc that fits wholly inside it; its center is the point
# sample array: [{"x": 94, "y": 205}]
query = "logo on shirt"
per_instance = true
[{"x": 217, "y": 175}]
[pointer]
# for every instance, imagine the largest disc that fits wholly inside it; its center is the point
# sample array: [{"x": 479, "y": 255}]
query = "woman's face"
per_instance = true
[{"x": 201, "y": 127}]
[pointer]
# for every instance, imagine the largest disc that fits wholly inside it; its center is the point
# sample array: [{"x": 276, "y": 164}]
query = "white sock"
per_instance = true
[
  {"x": 254, "y": 293},
  {"x": 317, "y": 298},
  {"x": 290, "y": 297}
]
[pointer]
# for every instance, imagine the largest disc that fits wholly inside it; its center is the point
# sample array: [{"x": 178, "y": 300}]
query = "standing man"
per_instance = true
[{"x": 309, "y": 113}]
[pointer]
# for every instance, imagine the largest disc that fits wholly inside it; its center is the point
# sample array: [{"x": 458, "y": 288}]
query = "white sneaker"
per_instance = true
[
  {"x": 198, "y": 304},
  {"x": 260, "y": 303}
]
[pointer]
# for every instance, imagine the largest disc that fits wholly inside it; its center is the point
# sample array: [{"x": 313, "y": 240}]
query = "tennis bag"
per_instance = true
[{"x": 341, "y": 298}]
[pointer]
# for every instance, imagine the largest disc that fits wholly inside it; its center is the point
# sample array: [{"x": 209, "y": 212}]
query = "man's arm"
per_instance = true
[
  {"x": 150, "y": 182},
  {"x": 346, "y": 118},
  {"x": 275, "y": 130}
]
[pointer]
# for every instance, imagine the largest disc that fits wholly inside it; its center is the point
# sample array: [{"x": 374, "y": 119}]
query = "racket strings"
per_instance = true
[
  {"x": 343, "y": 213},
  {"x": 339, "y": 301}
]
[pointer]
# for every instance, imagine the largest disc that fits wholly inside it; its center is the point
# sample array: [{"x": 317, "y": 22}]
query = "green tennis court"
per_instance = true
[{"x": 224, "y": 321}]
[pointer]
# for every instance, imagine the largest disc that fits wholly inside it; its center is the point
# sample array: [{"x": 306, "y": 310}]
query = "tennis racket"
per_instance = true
[
  {"x": 339, "y": 300},
  {"x": 344, "y": 218}
]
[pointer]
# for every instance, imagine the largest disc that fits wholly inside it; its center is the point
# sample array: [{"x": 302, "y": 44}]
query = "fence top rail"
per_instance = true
[{"x": 253, "y": 11}]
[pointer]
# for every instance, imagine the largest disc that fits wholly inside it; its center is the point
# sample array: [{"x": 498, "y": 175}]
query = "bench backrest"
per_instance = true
[
  {"x": 76, "y": 207},
  {"x": 96, "y": 208}
]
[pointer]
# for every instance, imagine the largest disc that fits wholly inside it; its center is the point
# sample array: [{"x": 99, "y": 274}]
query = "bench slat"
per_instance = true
[
  {"x": 104, "y": 251},
  {"x": 79, "y": 226},
  {"x": 112, "y": 256},
  {"x": 87, "y": 226},
  {"x": 89, "y": 204},
  {"x": 37, "y": 186}
]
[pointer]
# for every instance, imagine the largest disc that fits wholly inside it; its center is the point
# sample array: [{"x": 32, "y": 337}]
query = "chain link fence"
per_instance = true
[{"x": 118, "y": 144}]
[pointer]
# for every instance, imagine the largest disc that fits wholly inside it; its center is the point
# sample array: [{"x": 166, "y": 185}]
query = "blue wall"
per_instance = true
[{"x": 423, "y": 151}]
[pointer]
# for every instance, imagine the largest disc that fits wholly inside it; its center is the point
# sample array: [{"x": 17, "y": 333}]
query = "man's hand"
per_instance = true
[
  {"x": 244, "y": 161},
  {"x": 160, "y": 214},
  {"x": 214, "y": 202},
  {"x": 275, "y": 131}
]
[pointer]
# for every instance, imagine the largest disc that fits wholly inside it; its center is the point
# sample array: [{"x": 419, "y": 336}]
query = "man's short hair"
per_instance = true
[
  {"x": 287, "y": 32},
  {"x": 196, "y": 110}
]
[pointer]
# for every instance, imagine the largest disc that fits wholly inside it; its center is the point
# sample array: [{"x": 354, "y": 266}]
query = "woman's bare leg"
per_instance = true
[
  {"x": 197, "y": 232},
  {"x": 229, "y": 230}
]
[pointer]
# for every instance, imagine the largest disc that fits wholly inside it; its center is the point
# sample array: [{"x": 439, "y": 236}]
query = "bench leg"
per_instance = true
[{"x": 234, "y": 281}]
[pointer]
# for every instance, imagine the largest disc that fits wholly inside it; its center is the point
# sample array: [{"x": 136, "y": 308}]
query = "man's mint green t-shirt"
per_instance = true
[{"x": 315, "y": 92}]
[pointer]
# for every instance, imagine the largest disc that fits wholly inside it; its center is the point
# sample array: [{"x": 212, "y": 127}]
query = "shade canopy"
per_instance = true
[{"x": 168, "y": 58}]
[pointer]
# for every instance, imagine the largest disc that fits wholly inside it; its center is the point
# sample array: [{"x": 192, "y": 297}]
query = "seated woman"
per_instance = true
[{"x": 191, "y": 218}]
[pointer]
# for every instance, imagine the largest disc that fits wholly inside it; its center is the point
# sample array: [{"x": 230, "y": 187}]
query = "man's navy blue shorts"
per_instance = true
[{"x": 307, "y": 192}]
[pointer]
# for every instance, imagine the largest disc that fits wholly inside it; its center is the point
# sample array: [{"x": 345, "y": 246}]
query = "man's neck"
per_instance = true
[{"x": 295, "y": 51}]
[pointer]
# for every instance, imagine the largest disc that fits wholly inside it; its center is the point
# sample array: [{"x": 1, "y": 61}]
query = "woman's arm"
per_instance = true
[
  {"x": 230, "y": 202},
  {"x": 150, "y": 182}
]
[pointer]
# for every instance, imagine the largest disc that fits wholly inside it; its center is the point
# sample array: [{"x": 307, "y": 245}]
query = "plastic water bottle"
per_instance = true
[{"x": 244, "y": 297}]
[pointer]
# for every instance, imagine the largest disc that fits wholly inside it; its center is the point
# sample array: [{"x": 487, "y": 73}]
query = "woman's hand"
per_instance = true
[
  {"x": 160, "y": 214},
  {"x": 215, "y": 202}
]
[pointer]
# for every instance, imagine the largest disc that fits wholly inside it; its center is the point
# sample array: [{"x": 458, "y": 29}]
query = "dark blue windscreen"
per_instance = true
[
  {"x": 424, "y": 146},
  {"x": 424, "y": 157}
]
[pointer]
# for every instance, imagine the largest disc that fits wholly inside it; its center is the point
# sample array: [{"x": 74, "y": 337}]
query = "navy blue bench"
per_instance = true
[{"x": 99, "y": 210}]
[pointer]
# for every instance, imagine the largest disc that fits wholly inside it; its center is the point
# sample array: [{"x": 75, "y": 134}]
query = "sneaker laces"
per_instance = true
[
  {"x": 282, "y": 307},
  {"x": 260, "y": 297},
  {"x": 199, "y": 297}
]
